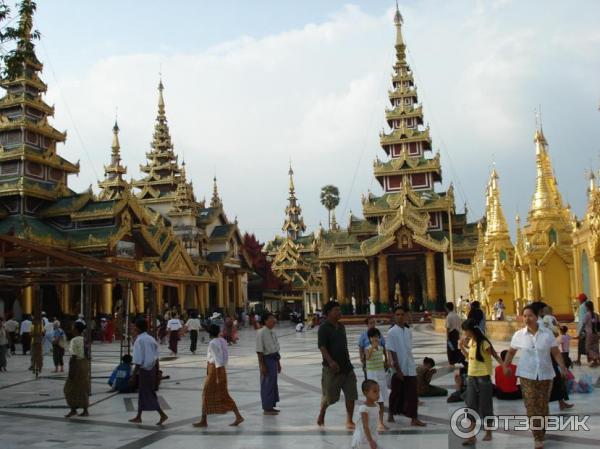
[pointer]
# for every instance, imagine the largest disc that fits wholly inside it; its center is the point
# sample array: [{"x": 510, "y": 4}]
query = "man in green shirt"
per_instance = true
[{"x": 338, "y": 372}]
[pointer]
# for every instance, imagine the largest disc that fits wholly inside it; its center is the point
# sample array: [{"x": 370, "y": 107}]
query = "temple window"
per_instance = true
[{"x": 552, "y": 236}]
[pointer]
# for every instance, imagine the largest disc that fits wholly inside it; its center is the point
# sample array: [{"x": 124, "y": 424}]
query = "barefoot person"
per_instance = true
[
  {"x": 77, "y": 386},
  {"x": 367, "y": 430},
  {"x": 267, "y": 349},
  {"x": 215, "y": 396},
  {"x": 534, "y": 368},
  {"x": 145, "y": 358},
  {"x": 404, "y": 396},
  {"x": 338, "y": 373},
  {"x": 376, "y": 365}
]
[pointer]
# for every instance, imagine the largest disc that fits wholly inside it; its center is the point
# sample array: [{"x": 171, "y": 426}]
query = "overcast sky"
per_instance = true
[{"x": 250, "y": 85}]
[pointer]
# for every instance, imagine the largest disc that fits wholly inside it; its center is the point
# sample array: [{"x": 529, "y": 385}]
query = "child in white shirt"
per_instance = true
[{"x": 366, "y": 435}]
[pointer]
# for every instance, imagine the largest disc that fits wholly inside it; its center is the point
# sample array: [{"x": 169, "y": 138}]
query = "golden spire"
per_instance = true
[
  {"x": 161, "y": 100},
  {"x": 546, "y": 198},
  {"x": 398, "y": 21},
  {"x": 294, "y": 223},
  {"x": 215, "y": 201},
  {"x": 496, "y": 222},
  {"x": 113, "y": 185},
  {"x": 185, "y": 203}
]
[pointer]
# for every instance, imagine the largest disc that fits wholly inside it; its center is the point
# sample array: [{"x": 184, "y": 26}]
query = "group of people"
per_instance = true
[
  {"x": 54, "y": 340},
  {"x": 541, "y": 369}
]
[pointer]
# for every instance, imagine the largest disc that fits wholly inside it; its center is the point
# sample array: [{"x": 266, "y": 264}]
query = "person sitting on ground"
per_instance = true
[
  {"x": 424, "y": 374},
  {"x": 460, "y": 384},
  {"x": 119, "y": 379},
  {"x": 506, "y": 386}
]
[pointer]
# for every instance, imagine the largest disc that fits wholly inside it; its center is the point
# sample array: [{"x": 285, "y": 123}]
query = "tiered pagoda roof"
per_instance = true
[
  {"x": 293, "y": 225},
  {"x": 162, "y": 167},
  {"x": 408, "y": 178},
  {"x": 113, "y": 185}
]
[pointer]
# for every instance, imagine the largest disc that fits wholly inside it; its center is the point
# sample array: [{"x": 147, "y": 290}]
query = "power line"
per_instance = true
[{"x": 66, "y": 104}]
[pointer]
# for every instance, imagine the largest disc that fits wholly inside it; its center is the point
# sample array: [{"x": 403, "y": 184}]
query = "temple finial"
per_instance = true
[{"x": 215, "y": 201}]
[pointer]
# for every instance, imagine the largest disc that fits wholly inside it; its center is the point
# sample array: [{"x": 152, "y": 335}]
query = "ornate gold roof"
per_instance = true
[
  {"x": 547, "y": 200},
  {"x": 215, "y": 201}
]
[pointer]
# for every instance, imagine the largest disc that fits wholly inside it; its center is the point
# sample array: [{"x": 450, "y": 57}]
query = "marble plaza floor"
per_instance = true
[{"x": 31, "y": 411}]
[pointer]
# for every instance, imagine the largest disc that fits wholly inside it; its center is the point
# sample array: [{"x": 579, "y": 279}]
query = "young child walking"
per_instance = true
[
  {"x": 376, "y": 365},
  {"x": 366, "y": 433}
]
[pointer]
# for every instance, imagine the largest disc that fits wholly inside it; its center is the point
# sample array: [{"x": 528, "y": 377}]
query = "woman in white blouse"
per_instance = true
[
  {"x": 215, "y": 396},
  {"x": 534, "y": 368}
]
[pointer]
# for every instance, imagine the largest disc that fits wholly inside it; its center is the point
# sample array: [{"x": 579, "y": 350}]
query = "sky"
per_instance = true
[{"x": 253, "y": 85}]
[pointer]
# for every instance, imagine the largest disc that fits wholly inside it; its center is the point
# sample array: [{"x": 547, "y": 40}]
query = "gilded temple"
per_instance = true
[
  {"x": 400, "y": 251},
  {"x": 179, "y": 251},
  {"x": 294, "y": 258}
]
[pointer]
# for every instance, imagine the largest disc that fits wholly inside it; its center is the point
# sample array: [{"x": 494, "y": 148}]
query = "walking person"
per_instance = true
[
  {"x": 480, "y": 390},
  {"x": 173, "y": 328},
  {"x": 534, "y": 368},
  {"x": 452, "y": 336},
  {"x": 25, "y": 331},
  {"x": 366, "y": 433},
  {"x": 338, "y": 373},
  {"x": 591, "y": 323},
  {"x": 48, "y": 335},
  {"x": 215, "y": 395},
  {"x": 12, "y": 328},
  {"x": 3, "y": 345},
  {"x": 77, "y": 386},
  {"x": 145, "y": 358},
  {"x": 476, "y": 314},
  {"x": 376, "y": 364},
  {"x": 404, "y": 396},
  {"x": 59, "y": 342},
  {"x": 267, "y": 348},
  {"x": 364, "y": 342},
  {"x": 581, "y": 311},
  {"x": 499, "y": 308},
  {"x": 193, "y": 325}
]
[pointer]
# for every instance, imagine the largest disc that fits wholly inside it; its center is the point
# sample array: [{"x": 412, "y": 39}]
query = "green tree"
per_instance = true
[
  {"x": 330, "y": 198},
  {"x": 14, "y": 61}
]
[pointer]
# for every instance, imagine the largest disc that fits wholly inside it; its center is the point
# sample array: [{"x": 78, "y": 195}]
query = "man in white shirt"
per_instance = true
[
  {"x": 26, "y": 334},
  {"x": 404, "y": 395},
  {"x": 12, "y": 326},
  {"x": 192, "y": 326},
  {"x": 267, "y": 349},
  {"x": 173, "y": 327},
  {"x": 145, "y": 358}
]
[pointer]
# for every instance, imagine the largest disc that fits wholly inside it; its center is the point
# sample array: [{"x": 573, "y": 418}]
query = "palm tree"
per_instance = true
[{"x": 330, "y": 198}]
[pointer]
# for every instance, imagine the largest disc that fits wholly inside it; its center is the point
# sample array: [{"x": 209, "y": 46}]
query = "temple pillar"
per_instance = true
[
  {"x": 325, "y": 282},
  {"x": 596, "y": 299},
  {"x": 542, "y": 290},
  {"x": 340, "y": 285},
  {"x": 432, "y": 292},
  {"x": 225, "y": 284},
  {"x": 533, "y": 277},
  {"x": 181, "y": 296},
  {"x": 139, "y": 286},
  {"x": 373, "y": 290},
  {"x": 159, "y": 297},
  {"x": 106, "y": 296},
  {"x": 220, "y": 290},
  {"x": 27, "y": 299},
  {"x": 572, "y": 288},
  {"x": 65, "y": 298},
  {"x": 206, "y": 296},
  {"x": 382, "y": 270}
]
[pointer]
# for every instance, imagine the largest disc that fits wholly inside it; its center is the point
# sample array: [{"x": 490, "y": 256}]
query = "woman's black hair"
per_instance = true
[
  {"x": 449, "y": 306},
  {"x": 590, "y": 306},
  {"x": 79, "y": 326},
  {"x": 471, "y": 325},
  {"x": 213, "y": 330},
  {"x": 373, "y": 332}
]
